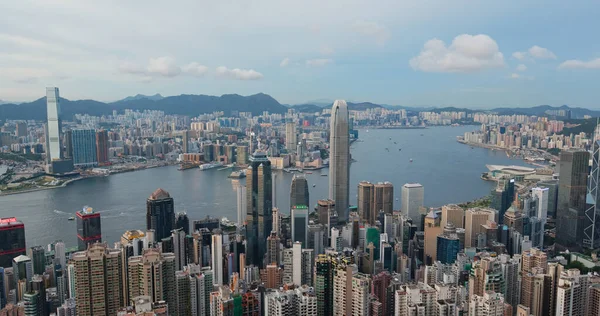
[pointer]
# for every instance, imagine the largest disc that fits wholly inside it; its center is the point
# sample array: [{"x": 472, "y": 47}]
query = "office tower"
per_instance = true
[
  {"x": 474, "y": 219},
  {"x": 299, "y": 191},
  {"x": 259, "y": 219},
  {"x": 210, "y": 223},
  {"x": 217, "y": 257},
  {"x": 299, "y": 215},
  {"x": 89, "y": 227},
  {"x": 185, "y": 139},
  {"x": 486, "y": 274},
  {"x": 571, "y": 206},
  {"x": 316, "y": 238},
  {"x": 98, "y": 280},
  {"x": 240, "y": 191},
  {"x": 33, "y": 303},
  {"x": 23, "y": 272},
  {"x": 37, "y": 287},
  {"x": 21, "y": 129},
  {"x": 160, "y": 214},
  {"x": 38, "y": 257},
  {"x": 552, "y": 186},
  {"x": 448, "y": 244},
  {"x": 297, "y": 263},
  {"x": 324, "y": 271},
  {"x": 432, "y": 231},
  {"x": 503, "y": 196},
  {"x": 383, "y": 198},
  {"x": 179, "y": 248},
  {"x": 571, "y": 293},
  {"x": 272, "y": 276},
  {"x": 54, "y": 126},
  {"x": 290, "y": 135},
  {"x": 365, "y": 202},
  {"x": 591, "y": 231},
  {"x": 273, "y": 249},
  {"x": 412, "y": 202},
  {"x": 102, "y": 147},
  {"x": 183, "y": 222},
  {"x": 241, "y": 153},
  {"x": 454, "y": 214},
  {"x": 307, "y": 269},
  {"x": 325, "y": 209},
  {"x": 84, "y": 148},
  {"x": 2, "y": 289},
  {"x": 60, "y": 253},
  {"x": 12, "y": 240},
  {"x": 593, "y": 307},
  {"x": 339, "y": 158},
  {"x": 336, "y": 240},
  {"x": 183, "y": 304},
  {"x": 488, "y": 304}
]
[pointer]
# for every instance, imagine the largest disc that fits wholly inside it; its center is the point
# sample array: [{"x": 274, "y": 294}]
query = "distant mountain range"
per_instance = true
[{"x": 193, "y": 105}]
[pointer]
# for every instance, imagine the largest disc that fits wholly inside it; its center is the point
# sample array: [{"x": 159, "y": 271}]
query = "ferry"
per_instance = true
[
  {"x": 238, "y": 174},
  {"x": 410, "y": 159},
  {"x": 72, "y": 218},
  {"x": 308, "y": 172},
  {"x": 207, "y": 166}
]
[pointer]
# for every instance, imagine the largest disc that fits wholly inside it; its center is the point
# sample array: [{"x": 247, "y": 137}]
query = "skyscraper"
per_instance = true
[
  {"x": 38, "y": 257},
  {"x": 412, "y": 201},
  {"x": 259, "y": 219},
  {"x": 89, "y": 227},
  {"x": 383, "y": 197},
  {"x": 324, "y": 272},
  {"x": 160, "y": 214},
  {"x": 183, "y": 222},
  {"x": 339, "y": 159},
  {"x": 503, "y": 196},
  {"x": 217, "y": 257},
  {"x": 240, "y": 192},
  {"x": 84, "y": 148},
  {"x": 365, "y": 202},
  {"x": 474, "y": 219},
  {"x": 448, "y": 245},
  {"x": 54, "y": 127},
  {"x": 299, "y": 191},
  {"x": 573, "y": 167},
  {"x": 12, "y": 240},
  {"x": 98, "y": 280},
  {"x": 454, "y": 214},
  {"x": 290, "y": 135},
  {"x": 185, "y": 139},
  {"x": 102, "y": 147},
  {"x": 591, "y": 229},
  {"x": 299, "y": 216}
]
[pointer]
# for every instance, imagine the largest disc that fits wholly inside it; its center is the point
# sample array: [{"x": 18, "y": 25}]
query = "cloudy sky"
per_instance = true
[{"x": 477, "y": 54}]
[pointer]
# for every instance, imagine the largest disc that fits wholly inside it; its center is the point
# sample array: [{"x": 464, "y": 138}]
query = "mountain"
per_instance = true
[
  {"x": 362, "y": 106},
  {"x": 190, "y": 105},
  {"x": 540, "y": 110},
  {"x": 141, "y": 96},
  {"x": 307, "y": 108}
]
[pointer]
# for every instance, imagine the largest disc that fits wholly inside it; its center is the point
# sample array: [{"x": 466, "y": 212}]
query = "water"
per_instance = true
[{"x": 448, "y": 170}]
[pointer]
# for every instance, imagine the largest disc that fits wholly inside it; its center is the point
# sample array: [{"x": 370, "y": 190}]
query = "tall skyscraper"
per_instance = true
[
  {"x": 412, "y": 201},
  {"x": 365, "y": 202},
  {"x": 299, "y": 216},
  {"x": 503, "y": 196},
  {"x": 98, "y": 280},
  {"x": 432, "y": 230},
  {"x": 299, "y": 191},
  {"x": 454, "y": 214},
  {"x": 183, "y": 222},
  {"x": 12, "y": 240},
  {"x": 160, "y": 214},
  {"x": 84, "y": 148},
  {"x": 591, "y": 229},
  {"x": 185, "y": 141},
  {"x": 571, "y": 293},
  {"x": 570, "y": 217},
  {"x": 339, "y": 159},
  {"x": 89, "y": 227},
  {"x": 38, "y": 257},
  {"x": 2, "y": 289},
  {"x": 146, "y": 274},
  {"x": 102, "y": 147},
  {"x": 448, "y": 245},
  {"x": 217, "y": 257},
  {"x": 54, "y": 126},
  {"x": 474, "y": 219},
  {"x": 324, "y": 273},
  {"x": 383, "y": 197},
  {"x": 259, "y": 218},
  {"x": 290, "y": 135},
  {"x": 240, "y": 192}
]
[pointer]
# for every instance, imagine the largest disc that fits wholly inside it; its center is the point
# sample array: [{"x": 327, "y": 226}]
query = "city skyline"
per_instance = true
[{"x": 467, "y": 58}]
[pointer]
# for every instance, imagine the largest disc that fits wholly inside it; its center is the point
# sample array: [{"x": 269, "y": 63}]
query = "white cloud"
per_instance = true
[
  {"x": 580, "y": 64},
  {"x": 285, "y": 62},
  {"x": 327, "y": 50},
  {"x": 521, "y": 67},
  {"x": 131, "y": 68},
  {"x": 374, "y": 30},
  {"x": 195, "y": 69},
  {"x": 515, "y": 76},
  {"x": 541, "y": 53},
  {"x": 318, "y": 62},
  {"x": 535, "y": 52},
  {"x": 239, "y": 74},
  {"x": 467, "y": 53},
  {"x": 25, "y": 74},
  {"x": 163, "y": 66}
]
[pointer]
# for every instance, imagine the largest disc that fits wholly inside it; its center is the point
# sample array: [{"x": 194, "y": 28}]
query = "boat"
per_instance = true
[
  {"x": 410, "y": 159},
  {"x": 72, "y": 218},
  {"x": 207, "y": 166},
  {"x": 390, "y": 138},
  {"x": 308, "y": 172},
  {"x": 323, "y": 175},
  {"x": 314, "y": 185},
  {"x": 422, "y": 135},
  {"x": 399, "y": 149}
]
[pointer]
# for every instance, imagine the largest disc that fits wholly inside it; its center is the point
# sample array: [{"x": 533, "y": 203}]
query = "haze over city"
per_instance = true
[{"x": 467, "y": 54}]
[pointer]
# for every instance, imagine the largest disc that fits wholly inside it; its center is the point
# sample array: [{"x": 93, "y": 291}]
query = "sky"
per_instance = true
[{"x": 476, "y": 54}]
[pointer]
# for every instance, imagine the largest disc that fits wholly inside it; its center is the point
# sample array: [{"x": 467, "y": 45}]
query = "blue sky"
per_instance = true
[{"x": 477, "y": 54}]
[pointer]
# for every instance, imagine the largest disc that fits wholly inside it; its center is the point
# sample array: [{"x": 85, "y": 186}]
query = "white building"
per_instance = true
[
  {"x": 490, "y": 304},
  {"x": 217, "y": 259},
  {"x": 571, "y": 293},
  {"x": 412, "y": 201}
]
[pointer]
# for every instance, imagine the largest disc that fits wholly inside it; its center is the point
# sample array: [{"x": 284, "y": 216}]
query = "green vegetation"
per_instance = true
[
  {"x": 554, "y": 151},
  {"x": 483, "y": 202},
  {"x": 587, "y": 126},
  {"x": 20, "y": 157},
  {"x": 581, "y": 267}
]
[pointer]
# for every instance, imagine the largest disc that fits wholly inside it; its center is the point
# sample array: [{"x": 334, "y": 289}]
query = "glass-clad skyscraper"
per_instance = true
[
  {"x": 259, "y": 207},
  {"x": 299, "y": 215},
  {"x": 339, "y": 159},
  {"x": 54, "y": 126},
  {"x": 84, "y": 147},
  {"x": 89, "y": 227}
]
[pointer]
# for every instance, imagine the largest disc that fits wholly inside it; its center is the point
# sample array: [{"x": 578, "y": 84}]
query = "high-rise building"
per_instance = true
[
  {"x": 2, "y": 289},
  {"x": 316, "y": 238},
  {"x": 474, "y": 219},
  {"x": 414, "y": 299},
  {"x": 486, "y": 275},
  {"x": 593, "y": 308},
  {"x": 591, "y": 231},
  {"x": 240, "y": 191},
  {"x": 454, "y": 214},
  {"x": 201, "y": 285},
  {"x": 290, "y": 135},
  {"x": 552, "y": 186},
  {"x": 571, "y": 293},
  {"x": 38, "y": 257},
  {"x": 299, "y": 217},
  {"x": 412, "y": 202},
  {"x": 98, "y": 280},
  {"x": 365, "y": 202},
  {"x": 339, "y": 159},
  {"x": 84, "y": 148},
  {"x": 12, "y": 240},
  {"x": 503, "y": 196},
  {"x": 570, "y": 217},
  {"x": 383, "y": 198},
  {"x": 89, "y": 227},
  {"x": 185, "y": 139},
  {"x": 183, "y": 222},
  {"x": 23, "y": 272},
  {"x": 324, "y": 272},
  {"x": 432, "y": 229},
  {"x": 273, "y": 254},
  {"x": 488, "y": 304},
  {"x": 160, "y": 214},
  {"x": 217, "y": 257},
  {"x": 448, "y": 245},
  {"x": 299, "y": 191},
  {"x": 325, "y": 210},
  {"x": 54, "y": 126},
  {"x": 102, "y": 147},
  {"x": 259, "y": 218},
  {"x": 21, "y": 129}
]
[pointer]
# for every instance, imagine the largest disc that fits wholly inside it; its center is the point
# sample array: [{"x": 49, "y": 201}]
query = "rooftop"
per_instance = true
[{"x": 159, "y": 194}]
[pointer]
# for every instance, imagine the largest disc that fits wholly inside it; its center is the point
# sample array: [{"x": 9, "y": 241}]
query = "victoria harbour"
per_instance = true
[{"x": 449, "y": 171}]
